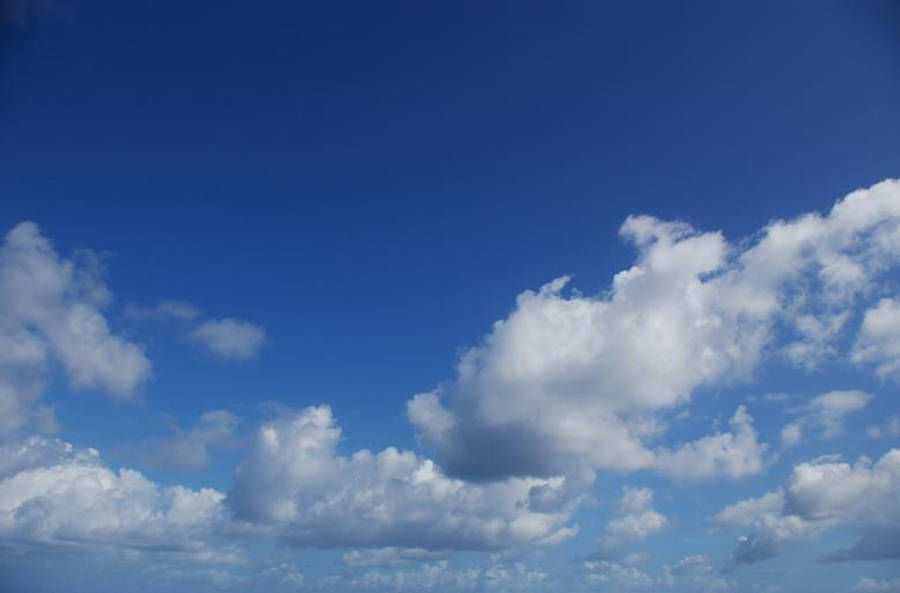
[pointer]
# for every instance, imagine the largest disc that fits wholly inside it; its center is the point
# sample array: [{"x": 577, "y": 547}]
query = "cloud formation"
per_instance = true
[
  {"x": 54, "y": 494},
  {"x": 50, "y": 312},
  {"x": 635, "y": 520},
  {"x": 569, "y": 384},
  {"x": 229, "y": 338},
  {"x": 824, "y": 414},
  {"x": 296, "y": 485},
  {"x": 820, "y": 495}
]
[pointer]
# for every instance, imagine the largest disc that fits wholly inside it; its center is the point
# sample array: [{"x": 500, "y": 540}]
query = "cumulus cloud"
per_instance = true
[
  {"x": 824, "y": 414},
  {"x": 216, "y": 430},
  {"x": 635, "y": 520},
  {"x": 229, "y": 338},
  {"x": 820, "y": 495},
  {"x": 878, "y": 342},
  {"x": 733, "y": 454},
  {"x": 566, "y": 383},
  {"x": 52, "y": 493},
  {"x": 294, "y": 484},
  {"x": 50, "y": 311}
]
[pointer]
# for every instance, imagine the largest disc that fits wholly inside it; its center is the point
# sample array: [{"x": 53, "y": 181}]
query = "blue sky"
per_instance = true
[{"x": 449, "y": 296}]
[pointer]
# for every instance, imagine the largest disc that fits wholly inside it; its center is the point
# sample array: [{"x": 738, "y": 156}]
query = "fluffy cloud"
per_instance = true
[
  {"x": 731, "y": 454},
  {"x": 635, "y": 520},
  {"x": 296, "y": 486},
  {"x": 878, "y": 342},
  {"x": 216, "y": 430},
  {"x": 50, "y": 311},
  {"x": 825, "y": 414},
  {"x": 229, "y": 338},
  {"x": 820, "y": 495},
  {"x": 54, "y": 494},
  {"x": 568, "y": 384}
]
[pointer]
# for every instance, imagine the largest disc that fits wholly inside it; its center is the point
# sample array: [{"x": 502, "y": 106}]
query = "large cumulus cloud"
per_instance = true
[
  {"x": 296, "y": 484},
  {"x": 570, "y": 384}
]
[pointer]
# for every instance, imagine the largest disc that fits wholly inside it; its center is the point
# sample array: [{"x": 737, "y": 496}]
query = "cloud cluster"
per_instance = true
[
  {"x": 635, "y": 520},
  {"x": 50, "y": 312},
  {"x": 694, "y": 574},
  {"x": 441, "y": 576},
  {"x": 54, "y": 494},
  {"x": 824, "y": 414},
  {"x": 820, "y": 495},
  {"x": 879, "y": 339},
  {"x": 296, "y": 484},
  {"x": 569, "y": 384}
]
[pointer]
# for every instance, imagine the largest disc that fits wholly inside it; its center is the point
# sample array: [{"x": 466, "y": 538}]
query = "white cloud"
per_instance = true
[
  {"x": 50, "y": 312},
  {"x": 442, "y": 576},
  {"x": 229, "y": 338},
  {"x": 867, "y": 585},
  {"x": 734, "y": 454},
  {"x": 824, "y": 414},
  {"x": 878, "y": 342},
  {"x": 890, "y": 429},
  {"x": 818, "y": 496},
  {"x": 297, "y": 487},
  {"x": 565, "y": 383},
  {"x": 692, "y": 573},
  {"x": 171, "y": 309},
  {"x": 54, "y": 494},
  {"x": 635, "y": 520},
  {"x": 216, "y": 430},
  {"x": 390, "y": 557}
]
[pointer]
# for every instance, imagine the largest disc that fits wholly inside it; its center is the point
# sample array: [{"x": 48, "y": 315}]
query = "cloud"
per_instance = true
[
  {"x": 216, "y": 430},
  {"x": 566, "y": 383},
  {"x": 635, "y": 520},
  {"x": 734, "y": 454},
  {"x": 692, "y": 573},
  {"x": 297, "y": 487},
  {"x": 442, "y": 576},
  {"x": 867, "y": 585},
  {"x": 818, "y": 496},
  {"x": 50, "y": 312},
  {"x": 169, "y": 309},
  {"x": 229, "y": 338},
  {"x": 878, "y": 342},
  {"x": 390, "y": 557},
  {"x": 890, "y": 429},
  {"x": 824, "y": 413},
  {"x": 57, "y": 495}
]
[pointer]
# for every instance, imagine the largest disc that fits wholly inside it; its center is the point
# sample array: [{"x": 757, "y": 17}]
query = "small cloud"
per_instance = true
[
  {"x": 825, "y": 414},
  {"x": 169, "y": 309},
  {"x": 229, "y": 338},
  {"x": 216, "y": 430}
]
